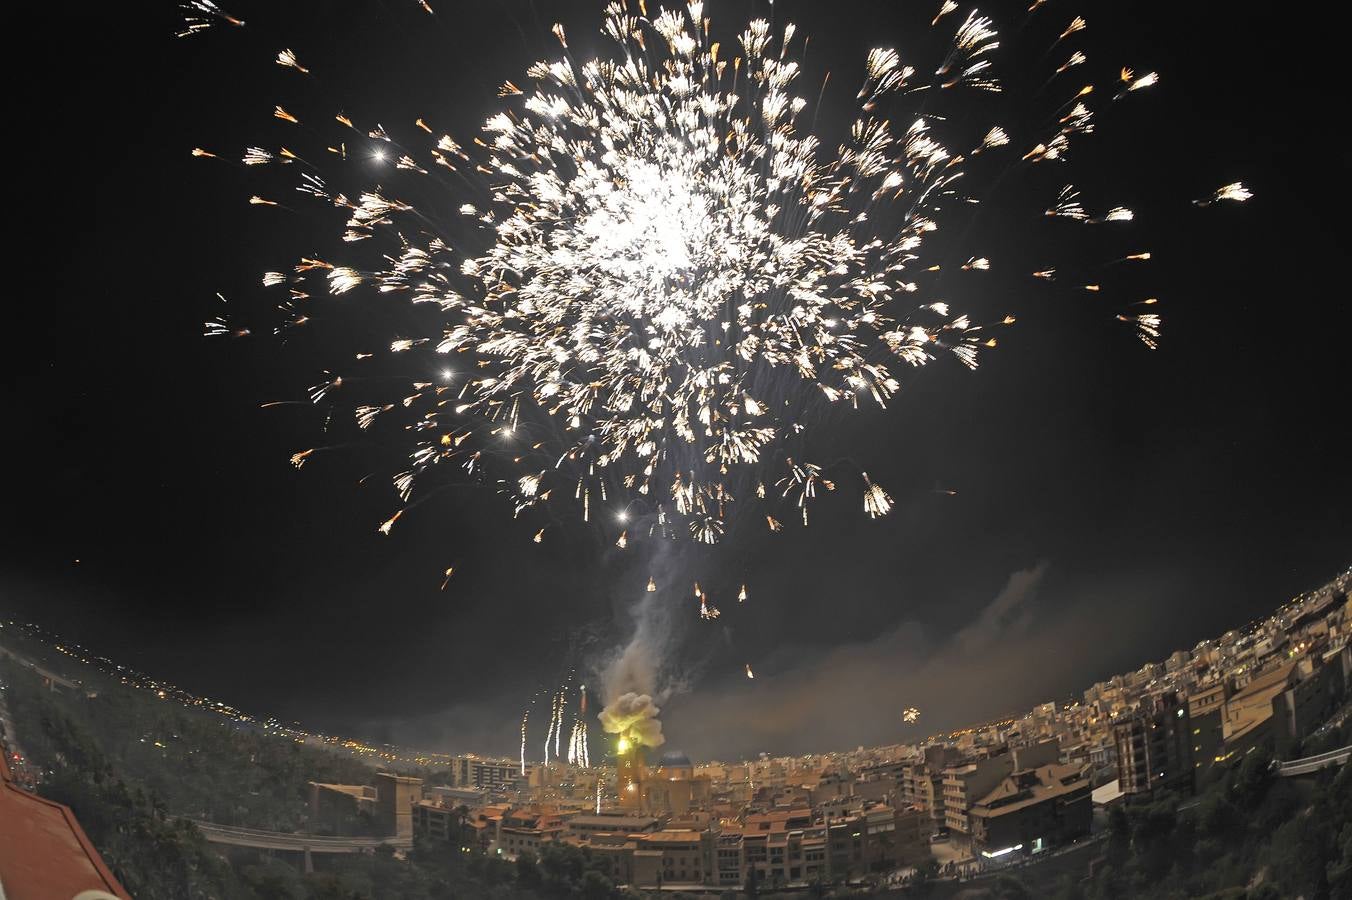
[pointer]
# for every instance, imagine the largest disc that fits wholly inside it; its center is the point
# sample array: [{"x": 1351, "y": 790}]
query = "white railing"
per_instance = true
[
  {"x": 1310, "y": 764},
  {"x": 281, "y": 840}
]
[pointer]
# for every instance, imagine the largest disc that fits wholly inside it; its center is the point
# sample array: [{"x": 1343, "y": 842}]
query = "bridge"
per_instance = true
[
  {"x": 53, "y": 680},
  {"x": 1311, "y": 764},
  {"x": 305, "y": 844}
]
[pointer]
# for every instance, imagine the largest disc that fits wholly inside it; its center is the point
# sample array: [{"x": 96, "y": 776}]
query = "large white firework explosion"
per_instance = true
[{"x": 667, "y": 280}]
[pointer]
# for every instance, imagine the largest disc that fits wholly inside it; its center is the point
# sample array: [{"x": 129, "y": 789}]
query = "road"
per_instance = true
[{"x": 277, "y": 840}]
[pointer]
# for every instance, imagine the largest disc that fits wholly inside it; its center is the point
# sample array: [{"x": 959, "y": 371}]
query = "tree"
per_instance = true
[
  {"x": 527, "y": 871},
  {"x": 595, "y": 886}
]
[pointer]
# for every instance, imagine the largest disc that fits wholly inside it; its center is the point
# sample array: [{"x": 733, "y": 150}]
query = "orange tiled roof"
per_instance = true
[{"x": 44, "y": 853}]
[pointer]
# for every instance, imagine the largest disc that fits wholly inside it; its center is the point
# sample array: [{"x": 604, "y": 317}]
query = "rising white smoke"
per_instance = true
[{"x": 641, "y": 674}]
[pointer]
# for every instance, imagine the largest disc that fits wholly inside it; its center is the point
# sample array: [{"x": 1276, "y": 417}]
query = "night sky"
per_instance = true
[{"x": 1112, "y": 504}]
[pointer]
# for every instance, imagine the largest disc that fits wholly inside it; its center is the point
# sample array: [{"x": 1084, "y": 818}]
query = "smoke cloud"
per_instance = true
[
  {"x": 634, "y": 717},
  {"x": 857, "y": 692},
  {"x": 1030, "y": 643}
]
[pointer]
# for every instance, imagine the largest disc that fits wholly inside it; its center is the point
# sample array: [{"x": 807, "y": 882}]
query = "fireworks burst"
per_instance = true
[
  {"x": 653, "y": 282},
  {"x": 910, "y": 715}
]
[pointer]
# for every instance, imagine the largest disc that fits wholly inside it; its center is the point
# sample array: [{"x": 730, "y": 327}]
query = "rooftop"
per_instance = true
[
  {"x": 614, "y": 823},
  {"x": 43, "y": 850},
  {"x": 1029, "y": 787}
]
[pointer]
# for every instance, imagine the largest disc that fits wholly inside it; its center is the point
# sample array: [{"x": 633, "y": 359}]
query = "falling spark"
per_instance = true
[
  {"x": 947, "y": 7},
  {"x": 707, "y": 611},
  {"x": 287, "y": 59},
  {"x": 1076, "y": 24},
  {"x": 1133, "y": 83},
  {"x": 1235, "y": 192},
  {"x": 199, "y": 15},
  {"x": 877, "y": 503},
  {"x": 524, "y": 719},
  {"x": 1147, "y": 328},
  {"x": 749, "y": 673}
]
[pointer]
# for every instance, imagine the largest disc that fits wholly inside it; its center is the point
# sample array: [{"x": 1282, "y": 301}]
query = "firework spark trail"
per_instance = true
[
  {"x": 658, "y": 288},
  {"x": 199, "y": 15},
  {"x": 524, "y": 718},
  {"x": 578, "y": 752}
]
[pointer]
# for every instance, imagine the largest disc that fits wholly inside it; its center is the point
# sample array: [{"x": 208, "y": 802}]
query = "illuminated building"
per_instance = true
[
  {"x": 630, "y": 772},
  {"x": 1032, "y": 810},
  {"x": 673, "y": 857},
  {"x": 454, "y": 796},
  {"x": 495, "y": 774},
  {"x": 1154, "y": 748},
  {"x": 527, "y": 828},
  {"x": 966, "y": 782},
  {"x": 335, "y": 807},
  {"x": 922, "y": 781},
  {"x": 395, "y": 796},
  {"x": 584, "y": 827},
  {"x": 1206, "y": 712},
  {"x": 673, "y": 789},
  {"x": 435, "y": 821}
]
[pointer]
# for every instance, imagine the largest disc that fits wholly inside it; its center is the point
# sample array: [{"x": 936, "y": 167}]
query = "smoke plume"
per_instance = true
[
  {"x": 643, "y": 672},
  {"x": 634, "y": 717}
]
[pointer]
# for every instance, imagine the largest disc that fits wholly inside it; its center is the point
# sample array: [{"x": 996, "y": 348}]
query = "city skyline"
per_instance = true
[{"x": 1189, "y": 485}]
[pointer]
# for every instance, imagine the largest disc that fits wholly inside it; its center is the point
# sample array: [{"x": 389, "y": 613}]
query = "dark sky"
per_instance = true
[{"x": 1113, "y": 504}]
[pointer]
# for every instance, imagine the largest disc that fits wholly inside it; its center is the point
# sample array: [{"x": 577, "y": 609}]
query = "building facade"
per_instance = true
[{"x": 1154, "y": 748}]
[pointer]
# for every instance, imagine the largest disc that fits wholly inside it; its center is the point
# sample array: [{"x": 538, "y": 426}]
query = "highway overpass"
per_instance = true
[
  {"x": 1311, "y": 764},
  {"x": 305, "y": 844}
]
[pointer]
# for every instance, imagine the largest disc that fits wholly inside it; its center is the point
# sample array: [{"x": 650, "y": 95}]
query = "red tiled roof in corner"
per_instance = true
[{"x": 44, "y": 853}]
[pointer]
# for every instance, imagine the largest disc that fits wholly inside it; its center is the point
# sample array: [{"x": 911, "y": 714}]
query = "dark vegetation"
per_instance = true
[{"x": 131, "y": 767}]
